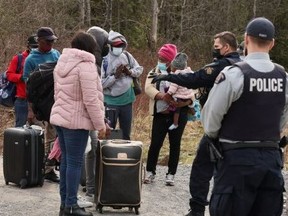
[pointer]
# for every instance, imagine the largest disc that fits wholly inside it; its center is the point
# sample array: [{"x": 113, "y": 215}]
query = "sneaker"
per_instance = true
[
  {"x": 173, "y": 126},
  {"x": 89, "y": 197},
  {"x": 83, "y": 203},
  {"x": 169, "y": 179},
  {"x": 52, "y": 176},
  {"x": 149, "y": 178}
]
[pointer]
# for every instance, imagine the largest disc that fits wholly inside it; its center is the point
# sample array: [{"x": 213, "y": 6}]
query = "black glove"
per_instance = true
[{"x": 160, "y": 78}]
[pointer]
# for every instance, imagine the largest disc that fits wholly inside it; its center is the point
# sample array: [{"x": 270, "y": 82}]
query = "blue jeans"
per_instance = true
[
  {"x": 72, "y": 143},
  {"x": 21, "y": 112}
]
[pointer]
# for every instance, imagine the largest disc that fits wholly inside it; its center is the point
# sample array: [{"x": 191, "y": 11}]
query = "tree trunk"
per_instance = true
[
  {"x": 255, "y": 8},
  {"x": 88, "y": 12},
  {"x": 155, "y": 11},
  {"x": 82, "y": 11}
]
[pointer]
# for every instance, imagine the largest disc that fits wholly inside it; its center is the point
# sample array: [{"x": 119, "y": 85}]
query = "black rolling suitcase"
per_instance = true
[
  {"x": 23, "y": 156},
  {"x": 118, "y": 174}
]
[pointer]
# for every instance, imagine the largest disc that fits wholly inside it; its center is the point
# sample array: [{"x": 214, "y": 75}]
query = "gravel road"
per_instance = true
[{"x": 157, "y": 199}]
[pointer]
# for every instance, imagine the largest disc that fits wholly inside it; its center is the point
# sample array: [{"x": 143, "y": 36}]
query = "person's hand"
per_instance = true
[
  {"x": 108, "y": 130},
  {"x": 102, "y": 133},
  {"x": 118, "y": 72},
  {"x": 160, "y": 78},
  {"x": 169, "y": 99},
  {"x": 126, "y": 71},
  {"x": 183, "y": 103}
]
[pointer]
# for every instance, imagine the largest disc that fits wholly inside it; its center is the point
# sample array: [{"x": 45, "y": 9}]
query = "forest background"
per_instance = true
[{"x": 146, "y": 24}]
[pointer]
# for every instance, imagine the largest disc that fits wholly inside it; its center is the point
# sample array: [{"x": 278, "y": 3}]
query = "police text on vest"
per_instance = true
[{"x": 266, "y": 85}]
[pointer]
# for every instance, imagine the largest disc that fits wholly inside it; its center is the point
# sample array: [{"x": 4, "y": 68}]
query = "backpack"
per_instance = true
[
  {"x": 7, "y": 88},
  {"x": 40, "y": 90},
  {"x": 136, "y": 80}
]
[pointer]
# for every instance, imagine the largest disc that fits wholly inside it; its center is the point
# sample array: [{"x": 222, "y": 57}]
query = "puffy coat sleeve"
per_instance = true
[{"x": 92, "y": 92}]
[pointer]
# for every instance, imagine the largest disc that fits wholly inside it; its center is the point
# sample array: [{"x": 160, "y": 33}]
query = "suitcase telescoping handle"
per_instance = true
[{"x": 120, "y": 141}]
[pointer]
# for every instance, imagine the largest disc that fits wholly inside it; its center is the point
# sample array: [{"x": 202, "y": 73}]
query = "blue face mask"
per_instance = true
[{"x": 162, "y": 66}]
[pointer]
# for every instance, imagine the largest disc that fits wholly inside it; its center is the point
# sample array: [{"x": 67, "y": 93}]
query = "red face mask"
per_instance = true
[
  {"x": 46, "y": 48},
  {"x": 45, "y": 45}
]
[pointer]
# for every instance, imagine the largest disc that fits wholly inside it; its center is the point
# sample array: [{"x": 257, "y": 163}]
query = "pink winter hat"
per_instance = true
[{"x": 168, "y": 52}]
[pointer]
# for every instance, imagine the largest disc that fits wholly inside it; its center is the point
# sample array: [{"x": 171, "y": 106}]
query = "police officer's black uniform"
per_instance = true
[
  {"x": 253, "y": 161},
  {"x": 202, "y": 167}
]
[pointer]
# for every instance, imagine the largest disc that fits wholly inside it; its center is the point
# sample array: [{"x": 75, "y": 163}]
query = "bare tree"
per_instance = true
[
  {"x": 82, "y": 11},
  {"x": 155, "y": 11},
  {"x": 254, "y": 8},
  {"x": 88, "y": 12}
]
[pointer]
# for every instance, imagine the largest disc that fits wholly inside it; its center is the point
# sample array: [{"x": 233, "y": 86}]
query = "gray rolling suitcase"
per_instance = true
[
  {"x": 23, "y": 157},
  {"x": 118, "y": 174}
]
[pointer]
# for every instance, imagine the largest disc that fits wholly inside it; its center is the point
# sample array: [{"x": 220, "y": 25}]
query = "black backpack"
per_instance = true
[{"x": 40, "y": 90}]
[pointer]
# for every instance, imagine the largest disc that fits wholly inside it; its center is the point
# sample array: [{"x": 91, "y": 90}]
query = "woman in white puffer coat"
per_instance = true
[{"x": 78, "y": 108}]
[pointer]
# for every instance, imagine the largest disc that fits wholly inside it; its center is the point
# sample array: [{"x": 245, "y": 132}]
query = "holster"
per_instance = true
[{"x": 214, "y": 150}]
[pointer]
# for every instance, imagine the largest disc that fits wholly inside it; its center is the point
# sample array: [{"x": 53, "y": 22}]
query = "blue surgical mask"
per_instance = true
[
  {"x": 162, "y": 66},
  {"x": 117, "y": 51}
]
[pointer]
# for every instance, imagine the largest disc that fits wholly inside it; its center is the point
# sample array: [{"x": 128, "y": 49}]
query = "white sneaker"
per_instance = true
[
  {"x": 173, "y": 126},
  {"x": 149, "y": 178},
  {"x": 89, "y": 197},
  {"x": 83, "y": 203},
  {"x": 169, "y": 179}
]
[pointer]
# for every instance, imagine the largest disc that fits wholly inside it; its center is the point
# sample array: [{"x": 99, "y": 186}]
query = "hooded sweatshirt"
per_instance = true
[
  {"x": 77, "y": 92},
  {"x": 112, "y": 86},
  {"x": 101, "y": 38},
  {"x": 37, "y": 57}
]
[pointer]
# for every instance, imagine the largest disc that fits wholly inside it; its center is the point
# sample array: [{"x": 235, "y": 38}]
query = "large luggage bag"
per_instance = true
[
  {"x": 23, "y": 156},
  {"x": 118, "y": 174},
  {"x": 115, "y": 134}
]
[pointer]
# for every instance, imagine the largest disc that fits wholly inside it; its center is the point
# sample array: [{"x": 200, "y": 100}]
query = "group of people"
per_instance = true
[
  {"x": 241, "y": 147},
  {"x": 244, "y": 110}
]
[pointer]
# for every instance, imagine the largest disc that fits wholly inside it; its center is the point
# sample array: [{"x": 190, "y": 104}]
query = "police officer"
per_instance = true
[
  {"x": 247, "y": 110},
  {"x": 225, "y": 54}
]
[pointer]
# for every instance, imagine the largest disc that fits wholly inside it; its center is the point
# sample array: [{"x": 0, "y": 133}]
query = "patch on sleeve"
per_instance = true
[
  {"x": 209, "y": 70},
  {"x": 220, "y": 78}
]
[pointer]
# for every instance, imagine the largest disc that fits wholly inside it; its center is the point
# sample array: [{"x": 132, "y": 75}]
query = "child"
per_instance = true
[{"x": 179, "y": 93}]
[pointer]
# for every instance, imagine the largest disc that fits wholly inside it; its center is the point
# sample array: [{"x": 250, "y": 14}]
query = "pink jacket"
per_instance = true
[
  {"x": 78, "y": 92},
  {"x": 181, "y": 92}
]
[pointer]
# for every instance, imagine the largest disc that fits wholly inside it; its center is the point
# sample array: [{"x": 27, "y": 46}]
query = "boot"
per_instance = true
[
  {"x": 75, "y": 210},
  {"x": 61, "y": 212}
]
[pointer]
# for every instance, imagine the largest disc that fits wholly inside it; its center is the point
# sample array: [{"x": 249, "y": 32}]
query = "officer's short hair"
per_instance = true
[{"x": 227, "y": 37}]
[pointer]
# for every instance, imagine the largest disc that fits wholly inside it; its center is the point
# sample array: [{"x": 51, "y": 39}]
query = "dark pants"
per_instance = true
[
  {"x": 161, "y": 123},
  {"x": 201, "y": 174},
  {"x": 21, "y": 112},
  {"x": 72, "y": 144},
  {"x": 248, "y": 182},
  {"x": 124, "y": 114}
]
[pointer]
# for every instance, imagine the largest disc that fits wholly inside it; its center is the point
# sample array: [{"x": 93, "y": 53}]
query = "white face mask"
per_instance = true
[{"x": 117, "y": 51}]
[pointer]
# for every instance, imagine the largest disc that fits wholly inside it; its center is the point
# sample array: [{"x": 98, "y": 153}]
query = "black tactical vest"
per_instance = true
[{"x": 255, "y": 116}]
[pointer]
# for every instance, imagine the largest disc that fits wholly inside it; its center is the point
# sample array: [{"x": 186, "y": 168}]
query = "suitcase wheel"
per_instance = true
[
  {"x": 99, "y": 208},
  {"x": 23, "y": 183},
  {"x": 137, "y": 210},
  {"x": 41, "y": 182}
]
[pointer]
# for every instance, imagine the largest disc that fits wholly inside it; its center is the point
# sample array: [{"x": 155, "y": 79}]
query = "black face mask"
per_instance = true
[{"x": 216, "y": 53}]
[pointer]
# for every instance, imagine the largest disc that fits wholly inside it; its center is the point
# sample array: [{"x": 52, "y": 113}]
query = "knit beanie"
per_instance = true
[
  {"x": 168, "y": 52},
  {"x": 180, "y": 61}
]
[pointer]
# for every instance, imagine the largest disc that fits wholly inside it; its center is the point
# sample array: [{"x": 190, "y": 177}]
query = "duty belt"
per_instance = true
[{"x": 265, "y": 144}]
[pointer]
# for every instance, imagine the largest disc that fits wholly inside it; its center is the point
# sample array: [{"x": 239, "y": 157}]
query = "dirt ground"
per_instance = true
[{"x": 157, "y": 199}]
